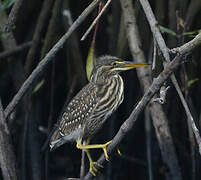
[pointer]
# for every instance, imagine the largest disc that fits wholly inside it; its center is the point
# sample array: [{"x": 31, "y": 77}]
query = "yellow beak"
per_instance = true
[{"x": 129, "y": 65}]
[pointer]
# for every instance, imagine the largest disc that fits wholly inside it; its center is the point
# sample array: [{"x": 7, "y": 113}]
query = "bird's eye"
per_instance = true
[{"x": 114, "y": 63}]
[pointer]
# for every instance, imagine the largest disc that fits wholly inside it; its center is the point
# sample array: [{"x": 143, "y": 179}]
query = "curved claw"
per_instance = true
[{"x": 92, "y": 169}]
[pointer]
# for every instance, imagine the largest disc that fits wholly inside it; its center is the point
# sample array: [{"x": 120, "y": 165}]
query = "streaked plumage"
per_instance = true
[{"x": 89, "y": 109}]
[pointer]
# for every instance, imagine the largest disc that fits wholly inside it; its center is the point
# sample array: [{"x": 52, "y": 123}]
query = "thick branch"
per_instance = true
[
  {"x": 50, "y": 55},
  {"x": 160, "y": 120},
  {"x": 7, "y": 156},
  {"x": 12, "y": 18},
  {"x": 157, "y": 83}
]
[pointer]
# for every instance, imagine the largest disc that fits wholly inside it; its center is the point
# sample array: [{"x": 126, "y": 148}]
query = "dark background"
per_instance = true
[{"x": 36, "y": 115}]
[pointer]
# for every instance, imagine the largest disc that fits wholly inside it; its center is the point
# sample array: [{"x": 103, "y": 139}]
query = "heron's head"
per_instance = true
[{"x": 110, "y": 65}]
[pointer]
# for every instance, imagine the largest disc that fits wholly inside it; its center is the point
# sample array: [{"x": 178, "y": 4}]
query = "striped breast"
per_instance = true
[{"x": 110, "y": 97}]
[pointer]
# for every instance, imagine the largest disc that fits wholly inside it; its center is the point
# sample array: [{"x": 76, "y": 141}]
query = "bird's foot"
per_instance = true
[
  {"x": 105, "y": 150},
  {"x": 92, "y": 169},
  {"x": 104, "y": 147}
]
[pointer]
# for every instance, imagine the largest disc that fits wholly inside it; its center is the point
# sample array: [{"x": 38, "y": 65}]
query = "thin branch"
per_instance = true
[
  {"x": 163, "y": 94},
  {"x": 93, "y": 43},
  {"x": 95, "y": 20},
  {"x": 50, "y": 55},
  {"x": 153, "y": 89},
  {"x": 16, "y": 50},
  {"x": 44, "y": 13},
  {"x": 154, "y": 56},
  {"x": 154, "y": 28}
]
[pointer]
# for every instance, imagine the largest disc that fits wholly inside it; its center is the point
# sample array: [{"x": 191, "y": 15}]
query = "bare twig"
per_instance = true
[
  {"x": 154, "y": 56},
  {"x": 157, "y": 83},
  {"x": 154, "y": 28},
  {"x": 95, "y": 20},
  {"x": 45, "y": 11},
  {"x": 15, "y": 50},
  {"x": 29, "y": 81},
  {"x": 7, "y": 156},
  {"x": 163, "y": 93}
]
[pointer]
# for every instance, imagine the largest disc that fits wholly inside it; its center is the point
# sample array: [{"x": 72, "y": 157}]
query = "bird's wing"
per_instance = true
[{"x": 74, "y": 115}]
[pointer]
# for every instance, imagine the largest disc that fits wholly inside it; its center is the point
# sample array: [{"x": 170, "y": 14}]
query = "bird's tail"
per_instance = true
[{"x": 45, "y": 145}]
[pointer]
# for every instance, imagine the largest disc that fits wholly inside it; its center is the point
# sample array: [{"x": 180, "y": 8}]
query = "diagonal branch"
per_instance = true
[
  {"x": 154, "y": 28},
  {"x": 47, "y": 59},
  {"x": 157, "y": 83},
  {"x": 95, "y": 20},
  {"x": 44, "y": 13},
  {"x": 161, "y": 43}
]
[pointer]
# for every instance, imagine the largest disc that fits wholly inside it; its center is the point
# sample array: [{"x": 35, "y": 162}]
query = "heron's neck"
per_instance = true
[{"x": 101, "y": 77}]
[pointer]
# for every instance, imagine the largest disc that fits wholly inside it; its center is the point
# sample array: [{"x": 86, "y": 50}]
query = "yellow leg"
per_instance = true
[
  {"x": 92, "y": 169},
  {"x": 95, "y": 146}
]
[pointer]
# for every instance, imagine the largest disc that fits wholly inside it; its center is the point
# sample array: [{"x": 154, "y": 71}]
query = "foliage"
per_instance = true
[{"x": 6, "y": 4}]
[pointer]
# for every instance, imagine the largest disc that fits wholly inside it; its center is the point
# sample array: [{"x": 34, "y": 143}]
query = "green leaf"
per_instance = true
[
  {"x": 6, "y": 4},
  {"x": 192, "y": 33},
  {"x": 166, "y": 30},
  {"x": 191, "y": 82},
  {"x": 38, "y": 86},
  {"x": 90, "y": 62}
]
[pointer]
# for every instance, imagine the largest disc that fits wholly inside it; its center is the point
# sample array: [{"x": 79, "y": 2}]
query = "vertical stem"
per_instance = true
[{"x": 148, "y": 142}]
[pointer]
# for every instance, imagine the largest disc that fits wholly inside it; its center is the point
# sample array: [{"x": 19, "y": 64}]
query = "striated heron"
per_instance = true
[{"x": 89, "y": 109}]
